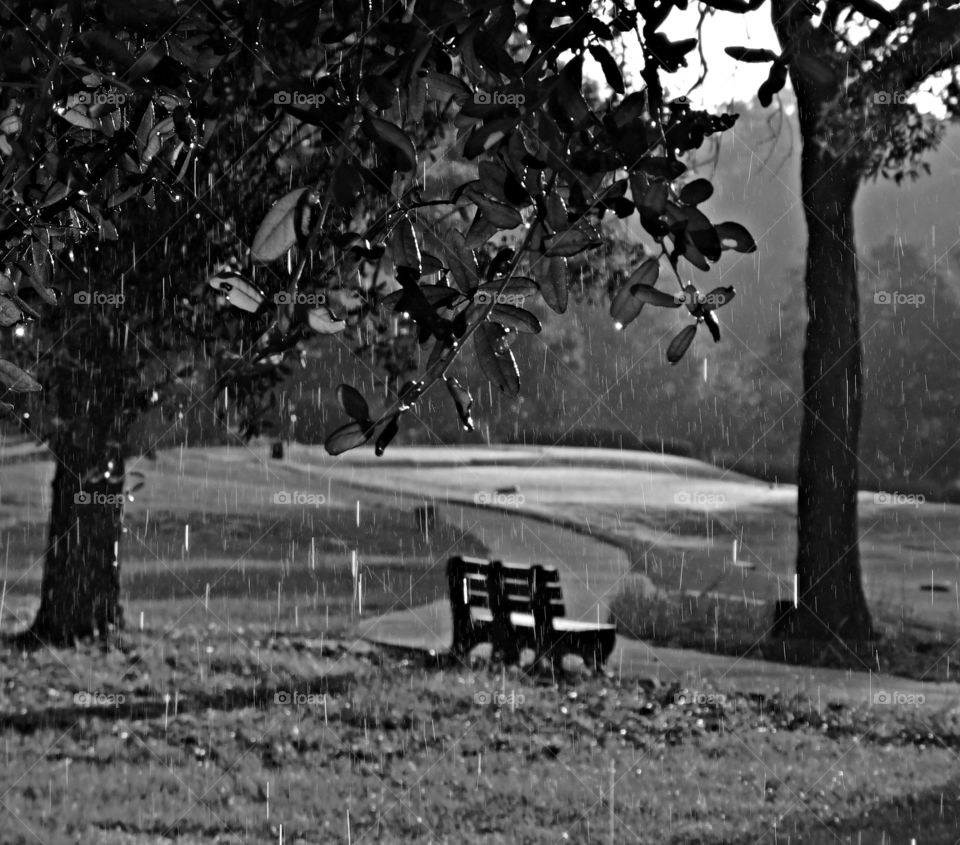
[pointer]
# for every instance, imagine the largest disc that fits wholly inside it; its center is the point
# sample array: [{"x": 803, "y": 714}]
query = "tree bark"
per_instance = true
[
  {"x": 80, "y": 590},
  {"x": 830, "y": 592}
]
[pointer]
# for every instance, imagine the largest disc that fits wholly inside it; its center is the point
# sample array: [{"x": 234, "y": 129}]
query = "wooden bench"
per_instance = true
[{"x": 515, "y": 606}]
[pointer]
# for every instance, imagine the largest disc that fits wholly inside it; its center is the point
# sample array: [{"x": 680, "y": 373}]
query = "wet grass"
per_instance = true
[
  {"x": 906, "y": 647},
  {"x": 205, "y": 735}
]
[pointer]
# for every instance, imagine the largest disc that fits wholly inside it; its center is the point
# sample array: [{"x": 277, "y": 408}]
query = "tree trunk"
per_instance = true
[
  {"x": 831, "y": 598},
  {"x": 80, "y": 591}
]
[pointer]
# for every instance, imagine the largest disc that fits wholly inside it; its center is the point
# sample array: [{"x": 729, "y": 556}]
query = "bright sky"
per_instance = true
[{"x": 726, "y": 78}]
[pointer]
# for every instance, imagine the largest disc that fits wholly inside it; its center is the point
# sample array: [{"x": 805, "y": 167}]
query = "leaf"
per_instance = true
[
  {"x": 387, "y": 433},
  {"x": 347, "y": 437},
  {"x": 277, "y": 233},
  {"x": 681, "y": 343},
  {"x": 551, "y": 275},
  {"x": 17, "y": 380},
  {"x": 736, "y": 237},
  {"x": 496, "y": 358},
  {"x": 322, "y": 321},
  {"x": 874, "y": 11},
  {"x": 631, "y": 298},
  {"x": 430, "y": 265},
  {"x": 445, "y": 86},
  {"x": 406, "y": 251},
  {"x": 500, "y": 215},
  {"x": 773, "y": 84},
  {"x": 571, "y": 242},
  {"x": 696, "y": 192},
  {"x": 238, "y": 291},
  {"x": 463, "y": 263},
  {"x": 488, "y": 135},
  {"x": 9, "y": 312},
  {"x": 463, "y": 400},
  {"x": 702, "y": 233},
  {"x": 662, "y": 168},
  {"x": 352, "y": 401},
  {"x": 556, "y": 215},
  {"x": 751, "y": 54},
  {"x": 441, "y": 295},
  {"x": 387, "y": 137},
  {"x": 517, "y": 286},
  {"x": 718, "y": 297},
  {"x": 493, "y": 178},
  {"x": 608, "y": 64},
  {"x": 713, "y": 325},
  {"x": 480, "y": 231},
  {"x": 515, "y": 318}
]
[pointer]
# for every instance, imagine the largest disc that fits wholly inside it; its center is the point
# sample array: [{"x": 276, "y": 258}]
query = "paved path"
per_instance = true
[{"x": 592, "y": 571}]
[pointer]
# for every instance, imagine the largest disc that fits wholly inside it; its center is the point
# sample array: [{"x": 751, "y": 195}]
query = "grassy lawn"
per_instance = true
[
  {"x": 208, "y": 736},
  {"x": 295, "y": 561},
  {"x": 236, "y": 711}
]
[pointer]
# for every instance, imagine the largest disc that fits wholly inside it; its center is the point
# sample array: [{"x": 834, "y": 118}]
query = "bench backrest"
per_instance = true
[{"x": 505, "y": 587}]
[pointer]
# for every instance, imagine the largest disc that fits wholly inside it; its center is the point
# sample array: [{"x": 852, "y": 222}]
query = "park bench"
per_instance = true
[{"x": 514, "y": 606}]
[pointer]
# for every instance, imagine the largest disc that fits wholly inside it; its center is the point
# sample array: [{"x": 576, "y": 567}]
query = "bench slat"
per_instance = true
[{"x": 514, "y": 602}]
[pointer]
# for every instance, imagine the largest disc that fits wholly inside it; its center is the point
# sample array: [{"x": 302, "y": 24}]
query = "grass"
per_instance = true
[
  {"x": 906, "y": 647},
  {"x": 296, "y": 563},
  {"x": 246, "y": 717},
  {"x": 395, "y": 751}
]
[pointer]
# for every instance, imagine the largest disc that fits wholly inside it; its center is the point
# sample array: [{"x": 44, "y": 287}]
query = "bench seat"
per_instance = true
[{"x": 516, "y": 606}]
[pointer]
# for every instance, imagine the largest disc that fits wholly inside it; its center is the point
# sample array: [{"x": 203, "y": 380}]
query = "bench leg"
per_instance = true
[{"x": 597, "y": 648}]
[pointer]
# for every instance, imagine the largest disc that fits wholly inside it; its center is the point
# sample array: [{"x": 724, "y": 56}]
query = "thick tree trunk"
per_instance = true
[
  {"x": 80, "y": 590},
  {"x": 831, "y": 597}
]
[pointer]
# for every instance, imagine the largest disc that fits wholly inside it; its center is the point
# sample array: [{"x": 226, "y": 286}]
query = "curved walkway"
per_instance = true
[{"x": 592, "y": 571}]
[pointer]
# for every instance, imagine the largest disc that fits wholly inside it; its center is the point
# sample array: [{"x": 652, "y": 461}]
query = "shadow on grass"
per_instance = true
[{"x": 931, "y": 816}]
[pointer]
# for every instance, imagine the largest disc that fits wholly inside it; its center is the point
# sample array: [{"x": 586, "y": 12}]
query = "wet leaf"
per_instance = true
[
  {"x": 387, "y": 434},
  {"x": 874, "y": 11},
  {"x": 499, "y": 214},
  {"x": 463, "y": 262},
  {"x": 734, "y": 236},
  {"x": 347, "y": 437},
  {"x": 19, "y": 381},
  {"x": 389, "y": 137},
  {"x": 278, "y": 232},
  {"x": 444, "y": 86},
  {"x": 406, "y": 250},
  {"x": 551, "y": 276},
  {"x": 322, "y": 321},
  {"x": 515, "y": 318},
  {"x": 628, "y": 303},
  {"x": 10, "y": 314},
  {"x": 718, "y": 297},
  {"x": 681, "y": 343},
  {"x": 237, "y": 290},
  {"x": 608, "y": 64},
  {"x": 571, "y": 242},
  {"x": 352, "y": 401},
  {"x": 751, "y": 54},
  {"x": 480, "y": 231},
  {"x": 713, "y": 325},
  {"x": 696, "y": 192},
  {"x": 496, "y": 358},
  {"x": 463, "y": 400}
]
